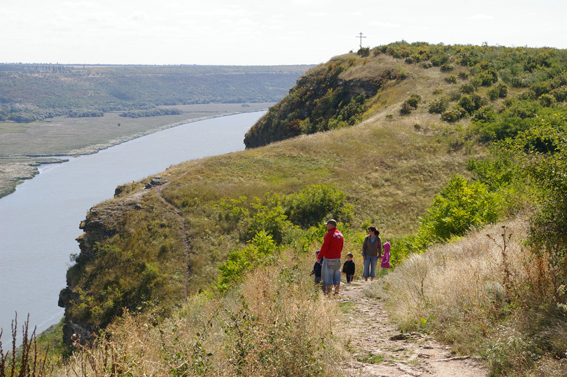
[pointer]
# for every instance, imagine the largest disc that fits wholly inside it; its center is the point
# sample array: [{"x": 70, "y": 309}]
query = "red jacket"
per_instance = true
[{"x": 332, "y": 245}]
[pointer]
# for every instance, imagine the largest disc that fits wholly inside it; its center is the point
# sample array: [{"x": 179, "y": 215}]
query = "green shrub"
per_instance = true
[
  {"x": 493, "y": 94},
  {"x": 547, "y": 100},
  {"x": 453, "y": 115},
  {"x": 472, "y": 103},
  {"x": 451, "y": 79},
  {"x": 313, "y": 204},
  {"x": 439, "y": 59},
  {"x": 476, "y": 81},
  {"x": 502, "y": 90},
  {"x": 463, "y": 75},
  {"x": 406, "y": 109},
  {"x": 560, "y": 94},
  {"x": 438, "y": 91},
  {"x": 426, "y": 65},
  {"x": 414, "y": 100},
  {"x": 454, "y": 95},
  {"x": 438, "y": 106},
  {"x": 467, "y": 89},
  {"x": 258, "y": 251},
  {"x": 447, "y": 67},
  {"x": 459, "y": 207},
  {"x": 363, "y": 52}
]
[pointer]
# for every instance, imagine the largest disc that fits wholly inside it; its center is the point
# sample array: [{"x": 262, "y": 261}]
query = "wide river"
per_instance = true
[{"x": 40, "y": 221}]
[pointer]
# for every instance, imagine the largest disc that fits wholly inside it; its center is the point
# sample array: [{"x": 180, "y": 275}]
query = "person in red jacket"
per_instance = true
[{"x": 331, "y": 252}]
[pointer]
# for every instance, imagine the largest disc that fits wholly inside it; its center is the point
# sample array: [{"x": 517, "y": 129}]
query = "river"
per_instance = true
[{"x": 40, "y": 220}]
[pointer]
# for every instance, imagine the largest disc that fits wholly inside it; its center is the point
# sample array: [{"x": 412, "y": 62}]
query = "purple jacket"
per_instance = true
[{"x": 386, "y": 257}]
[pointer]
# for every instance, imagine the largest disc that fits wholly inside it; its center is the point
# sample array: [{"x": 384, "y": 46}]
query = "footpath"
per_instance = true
[{"x": 381, "y": 350}]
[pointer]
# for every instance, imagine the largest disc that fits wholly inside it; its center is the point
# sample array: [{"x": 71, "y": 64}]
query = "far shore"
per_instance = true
[{"x": 16, "y": 168}]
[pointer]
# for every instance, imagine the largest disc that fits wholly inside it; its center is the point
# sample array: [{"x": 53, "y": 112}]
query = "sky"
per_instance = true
[{"x": 260, "y": 32}]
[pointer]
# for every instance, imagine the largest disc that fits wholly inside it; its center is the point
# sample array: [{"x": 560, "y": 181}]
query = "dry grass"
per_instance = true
[
  {"x": 484, "y": 294},
  {"x": 274, "y": 324},
  {"x": 454, "y": 289}
]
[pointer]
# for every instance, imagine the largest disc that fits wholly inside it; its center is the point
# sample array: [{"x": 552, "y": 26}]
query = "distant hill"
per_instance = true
[{"x": 31, "y": 92}]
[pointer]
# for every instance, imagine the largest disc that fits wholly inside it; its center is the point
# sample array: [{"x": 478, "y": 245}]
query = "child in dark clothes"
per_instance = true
[
  {"x": 348, "y": 268},
  {"x": 317, "y": 269}
]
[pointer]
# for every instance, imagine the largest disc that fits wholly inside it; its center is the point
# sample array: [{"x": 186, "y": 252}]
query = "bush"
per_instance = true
[
  {"x": 547, "y": 100},
  {"x": 258, "y": 251},
  {"x": 560, "y": 94},
  {"x": 438, "y": 106},
  {"x": 437, "y": 91},
  {"x": 313, "y": 204},
  {"x": 414, "y": 100},
  {"x": 363, "y": 52},
  {"x": 471, "y": 103},
  {"x": 502, "y": 90},
  {"x": 467, "y": 89},
  {"x": 463, "y": 75},
  {"x": 493, "y": 94},
  {"x": 406, "y": 109},
  {"x": 447, "y": 67},
  {"x": 451, "y": 79},
  {"x": 454, "y": 114},
  {"x": 454, "y": 95},
  {"x": 458, "y": 208}
]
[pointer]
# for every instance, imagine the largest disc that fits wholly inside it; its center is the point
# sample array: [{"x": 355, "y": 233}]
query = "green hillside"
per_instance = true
[
  {"x": 430, "y": 143},
  {"x": 336, "y": 94},
  {"x": 384, "y": 170}
]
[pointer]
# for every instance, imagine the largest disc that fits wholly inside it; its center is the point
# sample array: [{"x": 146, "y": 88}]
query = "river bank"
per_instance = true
[
  {"x": 23, "y": 147},
  {"x": 40, "y": 221}
]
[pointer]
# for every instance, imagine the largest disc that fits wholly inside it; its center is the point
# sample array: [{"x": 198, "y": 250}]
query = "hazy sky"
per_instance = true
[{"x": 255, "y": 32}]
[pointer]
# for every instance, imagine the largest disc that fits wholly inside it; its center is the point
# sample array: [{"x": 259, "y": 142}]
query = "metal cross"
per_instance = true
[{"x": 360, "y": 36}]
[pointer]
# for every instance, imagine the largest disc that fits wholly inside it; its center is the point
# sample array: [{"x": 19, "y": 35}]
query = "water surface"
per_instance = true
[{"x": 40, "y": 221}]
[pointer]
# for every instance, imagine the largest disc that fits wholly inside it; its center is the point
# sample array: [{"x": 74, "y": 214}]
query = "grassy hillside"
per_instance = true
[
  {"x": 413, "y": 156},
  {"x": 335, "y": 94},
  {"x": 383, "y": 171}
]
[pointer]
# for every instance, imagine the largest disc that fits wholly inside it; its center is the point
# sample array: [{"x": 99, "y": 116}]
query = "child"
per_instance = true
[
  {"x": 348, "y": 268},
  {"x": 316, "y": 269},
  {"x": 385, "y": 259}
]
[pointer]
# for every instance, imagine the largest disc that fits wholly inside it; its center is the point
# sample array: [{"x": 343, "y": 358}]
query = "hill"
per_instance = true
[
  {"x": 166, "y": 241},
  {"x": 436, "y": 142}
]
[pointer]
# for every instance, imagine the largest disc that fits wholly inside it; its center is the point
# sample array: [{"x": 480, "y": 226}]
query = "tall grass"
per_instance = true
[
  {"x": 26, "y": 360},
  {"x": 273, "y": 324},
  {"x": 485, "y": 294}
]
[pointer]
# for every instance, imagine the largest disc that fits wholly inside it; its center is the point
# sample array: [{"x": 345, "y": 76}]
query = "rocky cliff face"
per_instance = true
[
  {"x": 329, "y": 96},
  {"x": 131, "y": 257}
]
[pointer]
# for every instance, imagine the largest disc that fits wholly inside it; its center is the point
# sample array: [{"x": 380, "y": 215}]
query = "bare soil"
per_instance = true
[{"x": 379, "y": 349}]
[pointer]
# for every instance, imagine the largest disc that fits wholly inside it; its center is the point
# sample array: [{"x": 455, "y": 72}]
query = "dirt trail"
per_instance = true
[{"x": 380, "y": 349}]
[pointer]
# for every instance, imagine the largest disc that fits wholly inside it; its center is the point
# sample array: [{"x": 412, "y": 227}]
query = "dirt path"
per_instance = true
[{"x": 380, "y": 350}]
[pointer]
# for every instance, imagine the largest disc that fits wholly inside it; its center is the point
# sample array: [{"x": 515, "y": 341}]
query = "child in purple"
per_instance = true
[{"x": 385, "y": 259}]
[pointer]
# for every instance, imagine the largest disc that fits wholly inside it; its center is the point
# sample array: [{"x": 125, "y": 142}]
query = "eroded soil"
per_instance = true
[{"x": 379, "y": 349}]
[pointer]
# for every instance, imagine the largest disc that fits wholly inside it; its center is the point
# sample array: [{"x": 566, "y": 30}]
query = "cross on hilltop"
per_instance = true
[{"x": 360, "y": 36}]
